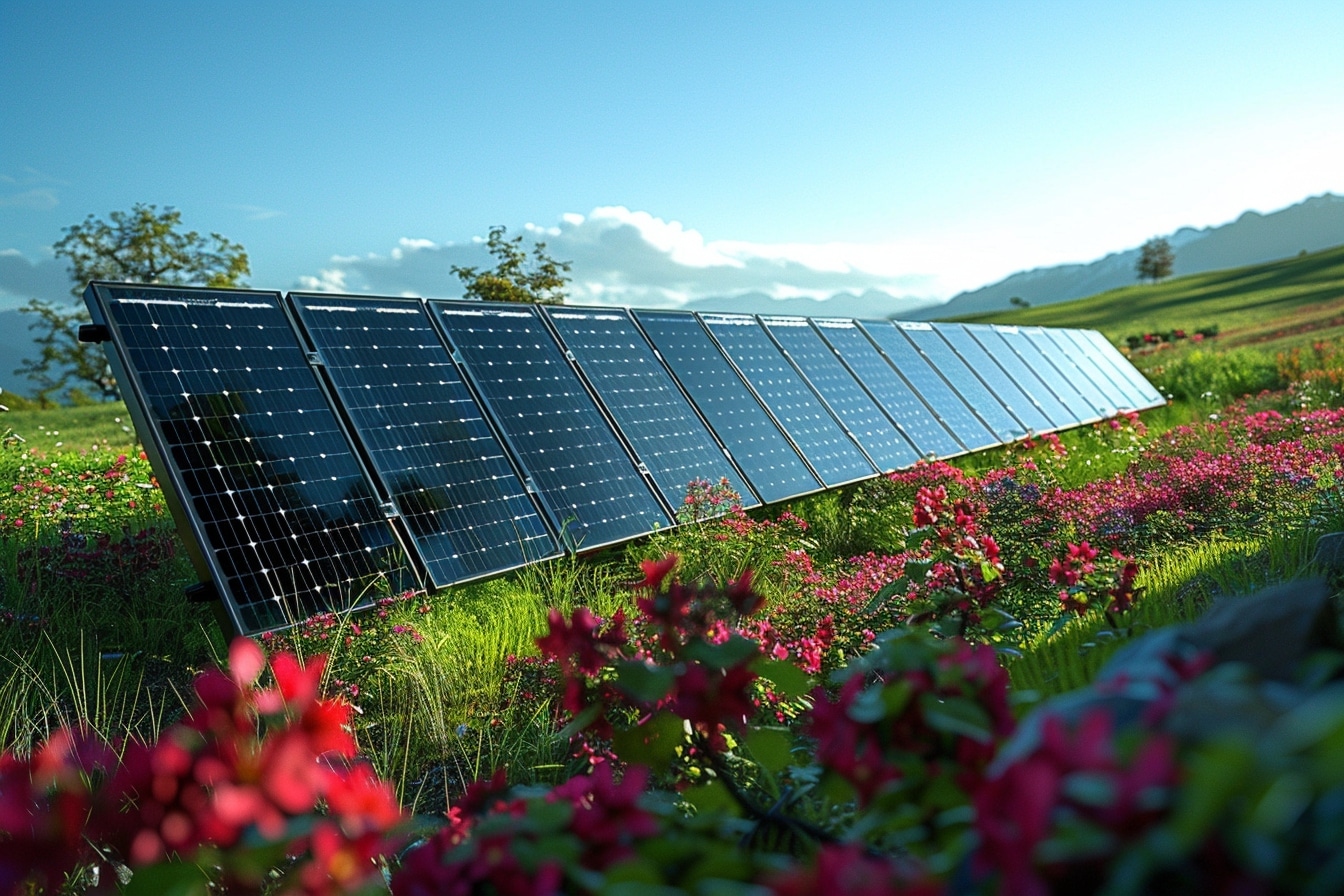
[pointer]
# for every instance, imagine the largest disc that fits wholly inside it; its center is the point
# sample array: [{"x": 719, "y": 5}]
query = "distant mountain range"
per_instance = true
[{"x": 1311, "y": 225}]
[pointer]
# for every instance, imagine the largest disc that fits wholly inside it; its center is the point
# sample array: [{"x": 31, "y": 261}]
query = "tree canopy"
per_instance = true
[
  {"x": 514, "y": 278},
  {"x": 1155, "y": 260},
  {"x": 144, "y": 245}
]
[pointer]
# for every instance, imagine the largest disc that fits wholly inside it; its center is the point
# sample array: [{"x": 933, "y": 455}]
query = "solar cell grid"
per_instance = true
[
  {"x": 926, "y": 380},
  {"x": 1099, "y": 403},
  {"x": 260, "y": 462},
  {"x": 1026, "y": 377},
  {"x": 1113, "y": 380},
  {"x": 829, "y": 450},
  {"x": 996, "y": 378},
  {"x": 1107, "y": 354},
  {"x": 667, "y": 435},
  {"x": 1001, "y": 421},
  {"x": 1116, "y": 397},
  {"x": 762, "y": 452},
  {"x": 1080, "y": 407},
  {"x": 449, "y": 477},
  {"x": 827, "y": 374},
  {"x": 559, "y": 435},
  {"x": 901, "y": 403}
]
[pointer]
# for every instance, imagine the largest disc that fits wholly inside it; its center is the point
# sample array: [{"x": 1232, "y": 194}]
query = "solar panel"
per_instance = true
[
  {"x": 667, "y": 435},
  {"x": 255, "y": 457},
  {"x": 846, "y": 396},
  {"x": 1115, "y": 396},
  {"x": 558, "y": 434},
  {"x": 772, "y": 466},
  {"x": 1081, "y": 408},
  {"x": 1099, "y": 401},
  {"x": 929, "y": 383},
  {"x": 444, "y": 468},
  {"x": 1107, "y": 354},
  {"x": 958, "y": 372},
  {"x": 1115, "y": 381},
  {"x": 997, "y": 379},
  {"x": 1026, "y": 377},
  {"x": 829, "y": 450},
  {"x": 902, "y": 404}
]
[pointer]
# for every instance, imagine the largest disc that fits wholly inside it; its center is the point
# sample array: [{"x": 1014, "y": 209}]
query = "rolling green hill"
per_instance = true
[{"x": 1283, "y": 302}]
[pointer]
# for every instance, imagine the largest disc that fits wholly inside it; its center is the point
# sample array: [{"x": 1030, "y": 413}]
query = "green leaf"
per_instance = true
[
  {"x": 644, "y": 682},
  {"x": 710, "y": 797},
  {"x": 956, "y": 715},
  {"x": 653, "y": 743},
  {"x": 887, "y": 592},
  {"x": 787, "y": 679},
  {"x": 915, "y": 538},
  {"x": 580, "y": 722},
  {"x": 771, "y": 747},
  {"x": 733, "y": 652},
  {"x": 168, "y": 879}
]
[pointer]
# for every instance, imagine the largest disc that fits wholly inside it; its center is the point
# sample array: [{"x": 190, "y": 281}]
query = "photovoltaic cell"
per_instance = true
[
  {"x": 1115, "y": 396},
  {"x": 560, "y": 437},
  {"x": 1098, "y": 400},
  {"x": 1114, "y": 380},
  {"x": 902, "y": 404},
  {"x": 259, "y": 460},
  {"x": 957, "y": 371},
  {"x": 1081, "y": 408},
  {"x": 827, "y": 374},
  {"x": 994, "y": 375},
  {"x": 762, "y": 452},
  {"x": 467, "y": 510},
  {"x": 926, "y": 380},
  {"x": 655, "y": 417},
  {"x": 830, "y": 451},
  {"x": 1106, "y": 353},
  {"x": 993, "y": 342}
]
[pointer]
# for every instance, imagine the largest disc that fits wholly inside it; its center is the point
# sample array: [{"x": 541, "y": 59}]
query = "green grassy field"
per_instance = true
[{"x": 1274, "y": 305}]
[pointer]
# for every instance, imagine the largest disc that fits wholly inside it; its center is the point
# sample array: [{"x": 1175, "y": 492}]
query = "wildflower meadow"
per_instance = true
[{"x": 1104, "y": 660}]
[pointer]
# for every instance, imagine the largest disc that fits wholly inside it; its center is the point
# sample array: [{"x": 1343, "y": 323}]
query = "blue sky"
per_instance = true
[{"x": 671, "y": 151}]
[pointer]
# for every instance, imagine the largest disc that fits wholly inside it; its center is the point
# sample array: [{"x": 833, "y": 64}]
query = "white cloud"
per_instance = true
[
  {"x": 38, "y": 200},
  {"x": 257, "y": 212},
  {"x": 630, "y": 257}
]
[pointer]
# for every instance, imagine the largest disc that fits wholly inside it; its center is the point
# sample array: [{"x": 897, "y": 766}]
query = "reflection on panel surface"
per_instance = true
[
  {"x": 824, "y": 370},
  {"x": 1001, "y": 421},
  {"x": 287, "y": 519},
  {"x": 649, "y": 409},
  {"x": 561, "y": 438},
  {"x": 1099, "y": 402},
  {"x": 902, "y": 403},
  {"x": 447, "y": 473},
  {"x": 991, "y": 369},
  {"x": 1025, "y": 375},
  {"x": 829, "y": 450},
  {"x": 929, "y": 383},
  {"x": 766, "y": 458}
]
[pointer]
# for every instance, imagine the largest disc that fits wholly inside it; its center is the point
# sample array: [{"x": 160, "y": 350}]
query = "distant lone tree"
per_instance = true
[
  {"x": 1155, "y": 260},
  {"x": 1019, "y": 302},
  {"x": 144, "y": 245},
  {"x": 514, "y": 279}
]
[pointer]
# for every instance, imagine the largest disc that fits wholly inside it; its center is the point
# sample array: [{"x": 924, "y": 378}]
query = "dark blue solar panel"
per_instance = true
[
  {"x": 901, "y": 403},
  {"x": 957, "y": 371},
  {"x": 261, "y": 465},
  {"x": 931, "y": 386},
  {"x": 444, "y": 468},
  {"x": 1100, "y": 403},
  {"x": 764, "y": 455},
  {"x": 558, "y": 434},
  {"x": 1085, "y": 353},
  {"x": 667, "y": 435},
  {"x": 1025, "y": 377},
  {"x": 827, "y": 374},
  {"x": 1109, "y": 356},
  {"x": 830, "y": 451},
  {"x": 994, "y": 376},
  {"x": 1080, "y": 407}
]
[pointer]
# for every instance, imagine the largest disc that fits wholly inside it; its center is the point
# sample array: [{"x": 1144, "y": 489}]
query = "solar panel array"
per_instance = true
[{"x": 324, "y": 449}]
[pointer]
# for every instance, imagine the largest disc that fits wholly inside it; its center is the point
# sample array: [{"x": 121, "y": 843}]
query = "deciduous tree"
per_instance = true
[
  {"x": 514, "y": 278},
  {"x": 144, "y": 245},
  {"x": 1155, "y": 260}
]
